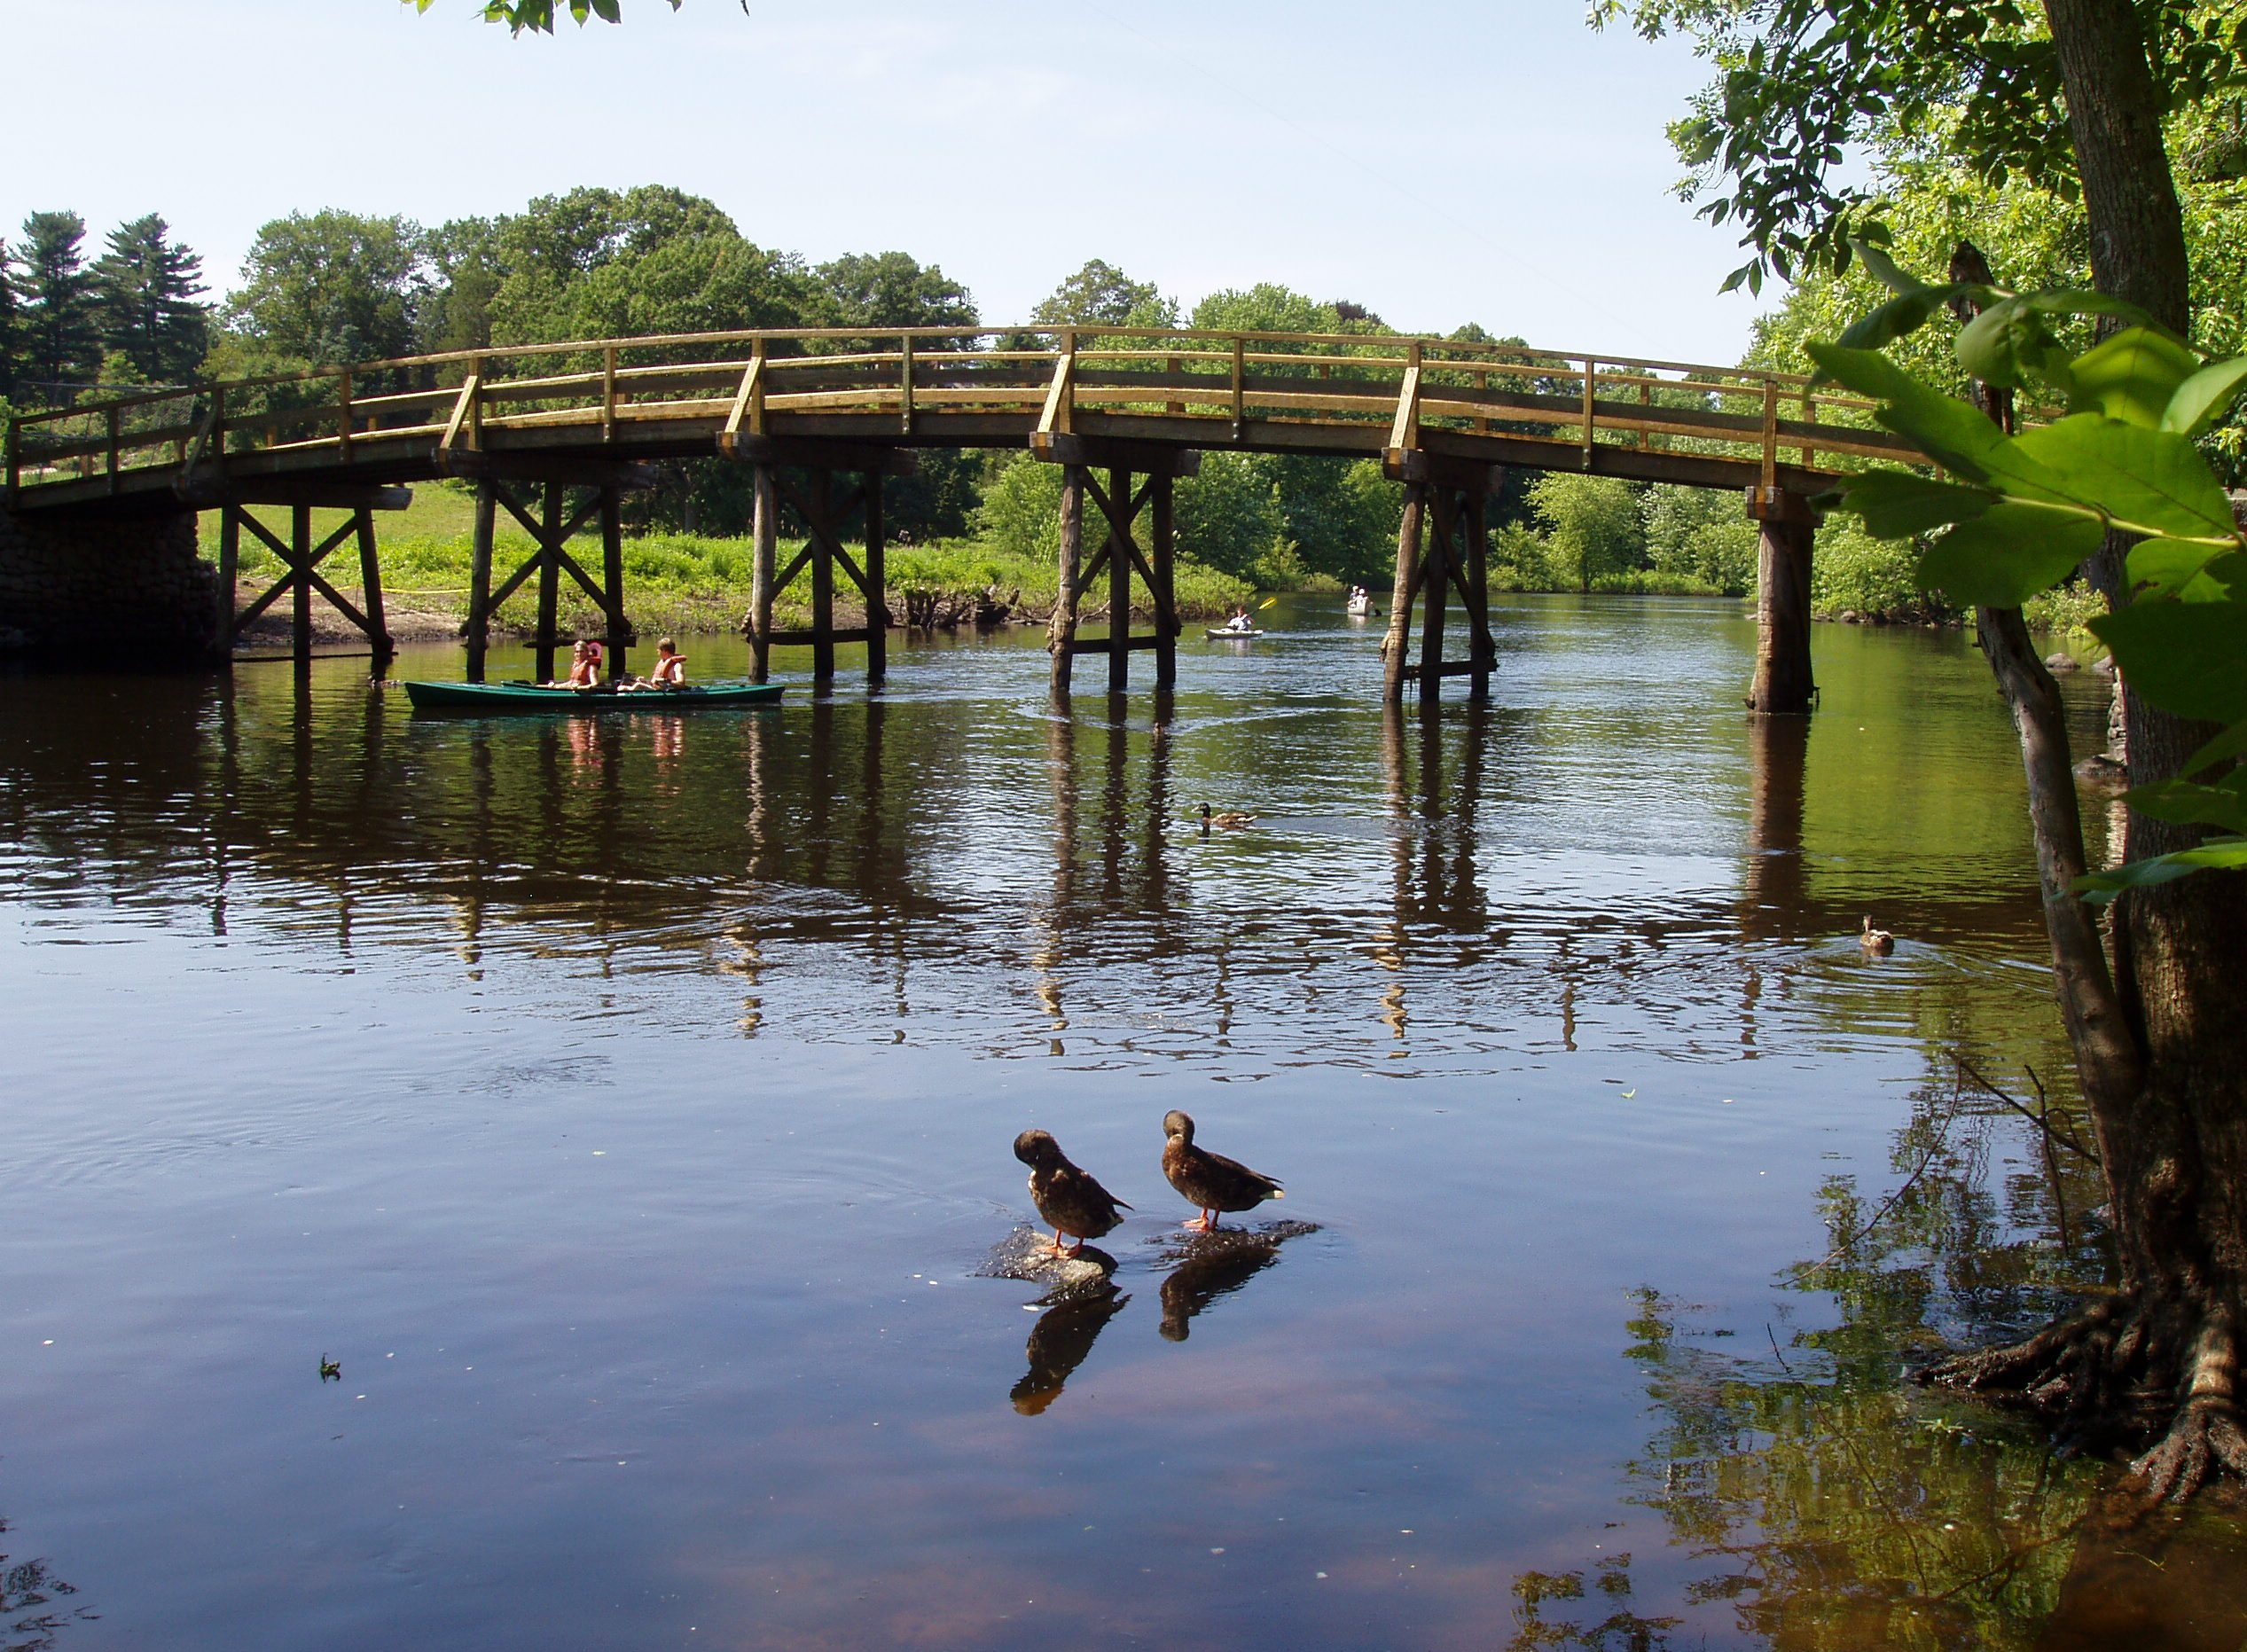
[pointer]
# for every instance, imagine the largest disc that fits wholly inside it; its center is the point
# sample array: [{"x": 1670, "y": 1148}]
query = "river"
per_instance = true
[{"x": 624, "y": 1106}]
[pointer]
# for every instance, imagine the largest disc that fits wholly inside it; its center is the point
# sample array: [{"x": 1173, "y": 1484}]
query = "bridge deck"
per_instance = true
[{"x": 796, "y": 392}]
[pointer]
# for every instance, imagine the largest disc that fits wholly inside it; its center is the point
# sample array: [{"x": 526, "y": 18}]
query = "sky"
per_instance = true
[{"x": 1440, "y": 162}]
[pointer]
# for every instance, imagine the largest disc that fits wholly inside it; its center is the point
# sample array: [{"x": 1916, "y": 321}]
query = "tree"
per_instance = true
[
  {"x": 891, "y": 290},
  {"x": 7, "y": 327},
  {"x": 146, "y": 290},
  {"x": 538, "y": 16},
  {"x": 59, "y": 343},
  {"x": 1100, "y": 294},
  {"x": 333, "y": 287},
  {"x": 1592, "y": 526},
  {"x": 2155, "y": 1005}
]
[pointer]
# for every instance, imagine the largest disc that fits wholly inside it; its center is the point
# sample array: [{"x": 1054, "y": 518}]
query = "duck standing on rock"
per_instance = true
[
  {"x": 1209, "y": 1179},
  {"x": 1070, "y": 1200}
]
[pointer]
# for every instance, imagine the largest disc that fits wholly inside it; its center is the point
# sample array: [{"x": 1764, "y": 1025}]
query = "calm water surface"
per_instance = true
[{"x": 625, "y": 1105}]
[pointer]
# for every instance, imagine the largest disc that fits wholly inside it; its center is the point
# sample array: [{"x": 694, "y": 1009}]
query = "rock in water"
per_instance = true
[
  {"x": 1027, "y": 1254},
  {"x": 2059, "y": 662}
]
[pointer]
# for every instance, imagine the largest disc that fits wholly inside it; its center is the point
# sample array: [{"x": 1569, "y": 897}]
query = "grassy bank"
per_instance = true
[{"x": 688, "y": 583}]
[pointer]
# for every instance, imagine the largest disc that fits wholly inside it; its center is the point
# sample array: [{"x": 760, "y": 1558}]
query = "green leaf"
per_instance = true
[
  {"x": 2147, "y": 480},
  {"x": 2132, "y": 377},
  {"x": 2168, "y": 565},
  {"x": 1896, "y": 504},
  {"x": 2099, "y": 888},
  {"x": 2008, "y": 553},
  {"x": 2185, "y": 802},
  {"x": 2186, "y": 657},
  {"x": 2231, "y": 743},
  {"x": 1889, "y": 322},
  {"x": 2201, "y": 400},
  {"x": 1885, "y": 269},
  {"x": 1956, "y": 435},
  {"x": 2010, "y": 344}
]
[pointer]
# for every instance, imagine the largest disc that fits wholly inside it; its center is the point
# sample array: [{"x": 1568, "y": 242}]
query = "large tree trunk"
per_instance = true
[{"x": 2159, "y": 1031}]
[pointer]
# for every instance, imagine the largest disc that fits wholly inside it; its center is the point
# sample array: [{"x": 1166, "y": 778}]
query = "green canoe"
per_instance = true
[{"x": 507, "y": 699}]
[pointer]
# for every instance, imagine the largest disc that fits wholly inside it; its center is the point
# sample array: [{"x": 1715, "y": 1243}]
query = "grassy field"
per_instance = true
[{"x": 672, "y": 582}]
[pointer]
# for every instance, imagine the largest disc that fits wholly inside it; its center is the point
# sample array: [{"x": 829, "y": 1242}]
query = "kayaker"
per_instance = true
[
  {"x": 585, "y": 667},
  {"x": 670, "y": 669},
  {"x": 1241, "y": 620}
]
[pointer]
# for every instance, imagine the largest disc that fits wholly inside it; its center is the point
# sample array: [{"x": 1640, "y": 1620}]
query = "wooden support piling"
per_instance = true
[
  {"x": 1119, "y": 582},
  {"x": 612, "y": 546},
  {"x": 230, "y": 564},
  {"x": 1060, "y": 632},
  {"x": 822, "y": 580},
  {"x": 1162, "y": 530},
  {"x": 1434, "y": 596},
  {"x": 301, "y": 591},
  {"x": 1474, "y": 514},
  {"x": 377, "y": 626},
  {"x": 876, "y": 585},
  {"x": 764, "y": 528},
  {"x": 478, "y": 625},
  {"x": 1398, "y": 640},
  {"x": 549, "y": 636},
  {"x": 1783, "y": 685}
]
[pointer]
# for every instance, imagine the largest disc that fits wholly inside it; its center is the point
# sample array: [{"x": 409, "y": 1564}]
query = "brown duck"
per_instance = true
[
  {"x": 1071, "y": 1199},
  {"x": 1210, "y": 1179}
]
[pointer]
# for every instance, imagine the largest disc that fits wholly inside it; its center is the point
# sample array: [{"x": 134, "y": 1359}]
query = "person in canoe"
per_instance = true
[
  {"x": 1241, "y": 620},
  {"x": 671, "y": 667},
  {"x": 585, "y": 667}
]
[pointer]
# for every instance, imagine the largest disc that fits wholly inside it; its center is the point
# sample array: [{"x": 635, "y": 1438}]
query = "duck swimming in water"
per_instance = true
[
  {"x": 1069, "y": 1199},
  {"x": 1209, "y": 1179},
  {"x": 1229, "y": 820},
  {"x": 1875, "y": 941}
]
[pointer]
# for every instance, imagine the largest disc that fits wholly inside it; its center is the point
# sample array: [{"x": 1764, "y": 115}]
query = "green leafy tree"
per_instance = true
[
  {"x": 1593, "y": 529},
  {"x": 1228, "y": 515},
  {"x": 1698, "y": 536},
  {"x": 333, "y": 287},
  {"x": 147, "y": 291},
  {"x": 465, "y": 257},
  {"x": 891, "y": 290},
  {"x": 1020, "y": 506},
  {"x": 1100, "y": 294},
  {"x": 58, "y": 336}
]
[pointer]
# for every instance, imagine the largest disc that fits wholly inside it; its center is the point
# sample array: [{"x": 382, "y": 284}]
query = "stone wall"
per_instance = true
[{"x": 133, "y": 585}]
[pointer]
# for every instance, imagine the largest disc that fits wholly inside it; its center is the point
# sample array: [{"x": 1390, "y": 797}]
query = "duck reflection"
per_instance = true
[
  {"x": 1063, "y": 1336},
  {"x": 1214, "y": 1265}
]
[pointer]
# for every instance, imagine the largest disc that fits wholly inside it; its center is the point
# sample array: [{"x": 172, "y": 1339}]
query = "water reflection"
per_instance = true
[
  {"x": 1063, "y": 1336},
  {"x": 35, "y": 1605},
  {"x": 1210, "y": 1266}
]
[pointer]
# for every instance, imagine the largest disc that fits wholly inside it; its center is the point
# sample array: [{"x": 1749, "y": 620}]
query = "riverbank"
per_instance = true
[{"x": 687, "y": 583}]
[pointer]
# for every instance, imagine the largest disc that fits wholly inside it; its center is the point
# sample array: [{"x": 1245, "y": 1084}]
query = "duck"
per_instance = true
[
  {"x": 1228, "y": 819},
  {"x": 1877, "y": 942},
  {"x": 1212, "y": 1181},
  {"x": 1072, "y": 1201},
  {"x": 331, "y": 1371}
]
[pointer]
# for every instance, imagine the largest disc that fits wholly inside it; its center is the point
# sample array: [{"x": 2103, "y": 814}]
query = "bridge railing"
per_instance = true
[{"x": 610, "y": 391}]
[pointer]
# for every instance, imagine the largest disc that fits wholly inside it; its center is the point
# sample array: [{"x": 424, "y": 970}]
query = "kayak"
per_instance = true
[
  {"x": 1222, "y": 633},
  {"x": 501, "y": 699}
]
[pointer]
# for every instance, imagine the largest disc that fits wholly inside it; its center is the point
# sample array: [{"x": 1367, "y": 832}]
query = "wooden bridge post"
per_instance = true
[
  {"x": 549, "y": 583},
  {"x": 1119, "y": 585},
  {"x": 1060, "y": 632},
  {"x": 301, "y": 593},
  {"x": 1394, "y": 646},
  {"x": 479, "y": 622},
  {"x": 765, "y": 528},
  {"x": 612, "y": 548},
  {"x": 230, "y": 564},
  {"x": 371, "y": 594},
  {"x": 1783, "y": 684},
  {"x": 1435, "y": 578},
  {"x": 1165, "y": 595},
  {"x": 823, "y": 583},
  {"x": 877, "y": 573},
  {"x": 1475, "y": 543}
]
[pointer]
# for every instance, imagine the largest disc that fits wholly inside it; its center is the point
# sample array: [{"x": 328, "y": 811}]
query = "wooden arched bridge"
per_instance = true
[{"x": 823, "y": 417}]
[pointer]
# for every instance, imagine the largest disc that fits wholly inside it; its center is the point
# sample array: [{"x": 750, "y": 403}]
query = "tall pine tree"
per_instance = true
[
  {"x": 145, "y": 292},
  {"x": 59, "y": 342},
  {"x": 7, "y": 329}
]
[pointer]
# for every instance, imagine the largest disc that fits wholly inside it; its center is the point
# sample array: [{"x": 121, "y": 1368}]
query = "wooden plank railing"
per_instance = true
[{"x": 1210, "y": 385}]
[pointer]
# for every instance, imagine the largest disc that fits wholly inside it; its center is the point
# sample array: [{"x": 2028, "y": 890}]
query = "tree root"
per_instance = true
[{"x": 2136, "y": 1370}]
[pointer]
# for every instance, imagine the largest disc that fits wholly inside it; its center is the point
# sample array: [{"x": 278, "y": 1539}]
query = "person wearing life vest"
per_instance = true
[
  {"x": 585, "y": 667},
  {"x": 670, "y": 665}
]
